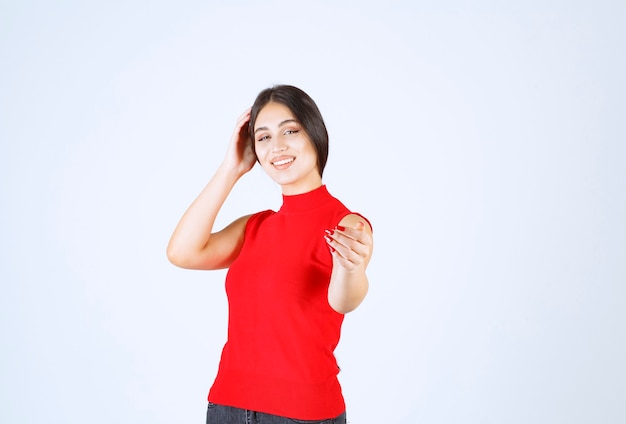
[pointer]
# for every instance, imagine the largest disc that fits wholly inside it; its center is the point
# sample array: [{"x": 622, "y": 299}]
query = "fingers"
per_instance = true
[
  {"x": 241, "y": 128},
  {"x": 240, "y": 155},
  {"x": 244, "y": 118},
  {"x": 240, "y": 134},
  {"x": 352, "y": 245}
]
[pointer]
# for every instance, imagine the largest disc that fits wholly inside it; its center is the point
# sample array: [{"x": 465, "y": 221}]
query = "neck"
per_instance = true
[
  {"x": 301, "y": 187},
  {"x": 305, "y": 202}
]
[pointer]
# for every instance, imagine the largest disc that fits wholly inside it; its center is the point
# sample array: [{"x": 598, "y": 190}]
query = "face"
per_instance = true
[{"x": 285, "y": 151}]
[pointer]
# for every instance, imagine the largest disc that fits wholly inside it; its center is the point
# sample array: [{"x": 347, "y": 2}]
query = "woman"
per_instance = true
[{"x": 292, "y": 276}]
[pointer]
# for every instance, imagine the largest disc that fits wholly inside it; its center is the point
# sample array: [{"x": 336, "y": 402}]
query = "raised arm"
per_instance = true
[
  {"x": 193, "y": 244},
  {"x": 351, "y": 244}
]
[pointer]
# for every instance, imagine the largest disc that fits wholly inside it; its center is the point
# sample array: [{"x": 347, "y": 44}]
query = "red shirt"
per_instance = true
[{"x": 281, "y": 330}]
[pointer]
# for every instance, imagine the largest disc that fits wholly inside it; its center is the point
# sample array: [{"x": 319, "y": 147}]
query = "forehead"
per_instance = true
[{"x": 272, "y": 114}]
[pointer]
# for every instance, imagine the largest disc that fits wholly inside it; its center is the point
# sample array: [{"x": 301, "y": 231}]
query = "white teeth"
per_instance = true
[{"x": 283, "y": 162}]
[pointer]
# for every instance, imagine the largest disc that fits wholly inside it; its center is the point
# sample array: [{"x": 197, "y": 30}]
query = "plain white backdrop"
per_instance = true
[{"x": 484, "y": 140}]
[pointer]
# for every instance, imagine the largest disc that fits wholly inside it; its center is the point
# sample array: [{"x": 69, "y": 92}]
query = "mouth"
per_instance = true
[{"x": 283, "y": 162}]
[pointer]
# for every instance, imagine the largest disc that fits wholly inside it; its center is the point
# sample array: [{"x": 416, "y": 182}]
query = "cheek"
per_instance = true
[
  {"x": 311, "y": 151},
  {"x": 254, "y": 150},
  {"x": 258, "y": 150},
  {"x": 262, "y": 155}
]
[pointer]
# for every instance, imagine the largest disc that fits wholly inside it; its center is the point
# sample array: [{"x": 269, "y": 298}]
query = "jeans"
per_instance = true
[{"x": 218, "y": 414}]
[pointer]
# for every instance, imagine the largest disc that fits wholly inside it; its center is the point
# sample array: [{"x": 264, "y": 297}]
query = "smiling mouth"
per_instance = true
[{"x": 283, "y": 161}]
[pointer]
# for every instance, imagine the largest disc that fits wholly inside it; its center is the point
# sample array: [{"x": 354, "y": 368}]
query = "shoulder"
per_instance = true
[
  {"x": 257, "y": 218},
  {"x": 349, "y": 215},
  {"x": 263, "y": 214},
  {"x": 353, "y": 219}
]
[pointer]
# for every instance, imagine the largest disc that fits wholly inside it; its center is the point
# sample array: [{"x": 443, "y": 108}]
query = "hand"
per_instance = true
[
  {"x": 351, "y": 247},
  {"x": 240, "y": 155}
]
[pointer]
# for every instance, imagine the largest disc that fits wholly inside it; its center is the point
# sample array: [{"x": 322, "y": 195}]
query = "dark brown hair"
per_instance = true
[{"x": 305, "y": 111}]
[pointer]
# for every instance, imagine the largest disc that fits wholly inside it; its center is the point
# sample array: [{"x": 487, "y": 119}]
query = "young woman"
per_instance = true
[{"x": 292, "y": 276}]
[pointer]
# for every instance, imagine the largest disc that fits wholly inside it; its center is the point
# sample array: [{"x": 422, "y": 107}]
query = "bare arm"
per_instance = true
[
  {"x": 351, "y": 245},
  {"x": 193, "y": 244}
]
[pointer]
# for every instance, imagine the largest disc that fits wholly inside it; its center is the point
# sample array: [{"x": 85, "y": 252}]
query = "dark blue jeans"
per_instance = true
[{"x": 218, "y": 414}]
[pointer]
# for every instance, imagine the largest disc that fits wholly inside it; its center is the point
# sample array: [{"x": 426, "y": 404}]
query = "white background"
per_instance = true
[{"x": 484, "y": 140}]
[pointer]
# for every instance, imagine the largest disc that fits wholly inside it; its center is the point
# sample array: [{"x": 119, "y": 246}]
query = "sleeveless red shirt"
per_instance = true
[{"x": 282, "y": 332}]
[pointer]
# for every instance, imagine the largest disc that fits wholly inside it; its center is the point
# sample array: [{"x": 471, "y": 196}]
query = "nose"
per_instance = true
[{"x": 279, "y": 145}]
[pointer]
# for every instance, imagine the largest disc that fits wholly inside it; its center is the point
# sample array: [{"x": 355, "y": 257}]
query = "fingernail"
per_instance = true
[
  {"x": 330, "y": 232},
  {"x": 340, "y": 228}
]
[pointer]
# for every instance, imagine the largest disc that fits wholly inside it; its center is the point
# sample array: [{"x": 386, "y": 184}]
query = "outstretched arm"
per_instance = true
[
  {"x": 193, "y": 244},
  {"x": 351, "y": 245}
]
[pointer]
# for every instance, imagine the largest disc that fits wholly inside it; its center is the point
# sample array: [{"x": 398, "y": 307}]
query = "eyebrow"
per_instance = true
[{"x": 286, "y": 121}]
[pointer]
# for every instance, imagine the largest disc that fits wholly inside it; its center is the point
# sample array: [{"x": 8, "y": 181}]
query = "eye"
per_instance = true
[
  {"x": 290, "y": 132},
  {"x": 263, "y": 138}
]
